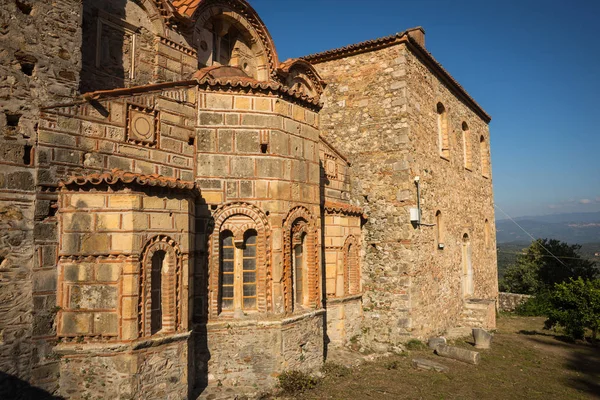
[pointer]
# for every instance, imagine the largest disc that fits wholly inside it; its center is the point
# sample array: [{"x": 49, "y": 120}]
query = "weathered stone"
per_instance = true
[
  {"x": 434, "y": 342},
  {"x": 428, "y": 365},
  {"x": 483, "y": 339},
  {"x": 457, "y": 353}
]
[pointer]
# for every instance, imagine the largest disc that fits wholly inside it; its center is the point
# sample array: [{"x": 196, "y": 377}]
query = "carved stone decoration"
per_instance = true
[
  {"x": 331, "y": 169},
  {"x": 141, "y": 125}
]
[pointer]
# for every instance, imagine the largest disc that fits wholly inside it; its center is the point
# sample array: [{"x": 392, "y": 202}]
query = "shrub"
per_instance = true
[
  {"x": 575, "y": 306},
  {"x": 293, "y": 381},
  {"x": 335, "y": 370},
  {"x": 415, "y": 344},
  {"x": 536, "y": 306}
]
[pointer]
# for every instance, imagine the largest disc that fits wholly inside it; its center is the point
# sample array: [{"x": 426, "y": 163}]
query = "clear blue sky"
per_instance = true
[{"x": 533, "y": 65}]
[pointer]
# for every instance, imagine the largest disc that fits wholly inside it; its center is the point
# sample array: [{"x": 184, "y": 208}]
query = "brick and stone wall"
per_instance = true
[{"x": 40, "y": 59}]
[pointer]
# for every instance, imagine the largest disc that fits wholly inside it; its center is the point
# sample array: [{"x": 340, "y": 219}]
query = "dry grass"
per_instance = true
[{"x": 525, "y": 362}]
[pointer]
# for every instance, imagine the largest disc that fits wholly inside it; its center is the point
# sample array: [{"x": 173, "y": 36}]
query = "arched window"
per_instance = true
[
  {"x": 466, "y": 134},
  {"x": 439, "y": 230},
  {"x": 443, "y": 135},
  {"x": 238, "y": 272},
  {"x": 158, "y": 259},
  {"x": 299, "y": 266},
  {"x": 159, "y": 287},
  {"x": 353, "y": 272},
  {"x": 467, "y": 267},
  {"x": 485, "y": 159}
]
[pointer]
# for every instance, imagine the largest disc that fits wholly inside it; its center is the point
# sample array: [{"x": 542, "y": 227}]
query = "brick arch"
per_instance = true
[
  {"x": 260, "y": 224},
  {"x": 156, "y": 10},
  {"x": 242, "y": 14},
  {"x": 171, "y": 286},
  {"x": 351, "y": 272},
  {"x": 298, "y": 220}
]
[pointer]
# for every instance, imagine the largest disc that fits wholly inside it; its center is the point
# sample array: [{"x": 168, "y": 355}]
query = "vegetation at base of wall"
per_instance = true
[
  {"x": 293, "y": 382},
  {"x": 575, "y": 306},
  {"x": 331, "y": 369},
  {"x": 415, "y": 344}
]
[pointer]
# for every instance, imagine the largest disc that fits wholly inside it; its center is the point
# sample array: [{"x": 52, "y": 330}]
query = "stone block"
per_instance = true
[
  {"x": 135, "y": 221},
  {"x": 261, "y": 189},
  {"x": 119, "y": 163},
  {"x": 129, "y": 329},
  {"x": 483, "y": 339},
  {"x": 44, "y": 281},
  {"x": 151, "y": 202},
  {"x": 124, "y": 201},
  {"x": 75, "y": 323},
  {"x": 279, "y": 143},
  {"x": 428, "y": 365},
  {"x": 246, "y": 189},
  {"x": 106, "y": 324},
  {"x": 242, "y": 167},
  {"x": 108, "y": 222},
  {"x": 243, "y": 103},
  {"x": 210, "y": 118},
  {"x": 130, "y": 285},
  {"x": 125, "y": 242},
  {"x": 78, "y": 272},
  {"x": 213, "y": 197},
  {"x": 262, "y": 104},
  {"x": 129, "y": 307},
  {"x": 21, "y": 180},
  {"x": 98, "y": 243},
  {"x": 69, "y": 245},
  {"x": 211, "y": 165},
  {"x": 45, "y": 231},
  {"x": 88, "y": 200},
  {"x": 219, "y": 101},
  {"x": 161, "y": 221},
  {"x": 456, "y": 353},
  {"x": 269, "y": 168},
  {"x": 246, "y": 141},
  {"x": 93, "y": 297},
  {"x": 434, "y": 342},
  {"x": 225, "y": 137},
  {"x": 106, "y": 272}
]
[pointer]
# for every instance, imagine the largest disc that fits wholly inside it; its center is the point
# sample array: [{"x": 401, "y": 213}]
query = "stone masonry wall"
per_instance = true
[
  {"x": 510, "y": 301},
  {"x": 380, "y": 112},
  {"x": 365, "y": 118},
  {"x": 463, "y": 196},
  {"x": 40, "y": 44}
]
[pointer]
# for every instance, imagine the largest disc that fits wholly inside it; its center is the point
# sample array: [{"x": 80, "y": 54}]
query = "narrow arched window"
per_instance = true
[
  {"x": 466, "y": 146},
  {"x": 467, "y": 267},
  {"x": 353, "y": 273},
  {"x": 299, "y": 262},
  {"x": 439, "y": 230},
  {"x": 227, "y": 271},
  {"x": 238, "y": 272},
  {"x": 485, "y": 159},
  {"x": 443, "y": 135},
  {"x": 249, "y": 271},
  {"x": 158, "y": 259}
]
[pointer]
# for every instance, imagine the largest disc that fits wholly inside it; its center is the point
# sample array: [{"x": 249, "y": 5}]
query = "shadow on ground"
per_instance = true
[{"x": 13, "y": 388}]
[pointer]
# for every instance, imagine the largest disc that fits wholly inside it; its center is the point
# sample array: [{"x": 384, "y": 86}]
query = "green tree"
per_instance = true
[
  {"x": 575, "y": 305},
  {"x": 536, "y": 270}
]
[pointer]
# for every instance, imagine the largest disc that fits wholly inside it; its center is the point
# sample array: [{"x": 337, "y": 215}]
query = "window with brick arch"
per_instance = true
[
  {"x": 352, "y": 269},
  {"x": 299, "y": 267},
  {"x": 158, "y": 259},
  {"x": 485, "y": 157},
  {"x": 238, "y": 280},
  {"x": 443, "y": 134},
  {"x": 159, "y": 283},
  {"x": 466, "y": 146}
]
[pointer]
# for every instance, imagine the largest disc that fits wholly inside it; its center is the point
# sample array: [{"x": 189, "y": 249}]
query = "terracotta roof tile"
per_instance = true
[
  {"x": 186, "y": 7},
  {"x": 343, "y": 208},
  {"x": 118, "y": 176}
]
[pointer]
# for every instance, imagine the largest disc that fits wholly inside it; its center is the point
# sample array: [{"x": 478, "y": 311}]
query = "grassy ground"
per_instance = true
[{"x": 525, "y": 362}]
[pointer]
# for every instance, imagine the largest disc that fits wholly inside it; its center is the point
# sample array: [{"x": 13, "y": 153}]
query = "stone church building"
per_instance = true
[{"x": 179, "y": 208}]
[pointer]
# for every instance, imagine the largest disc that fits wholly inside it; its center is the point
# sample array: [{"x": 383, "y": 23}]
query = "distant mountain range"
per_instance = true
[{"x": 571, "y": 228}]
